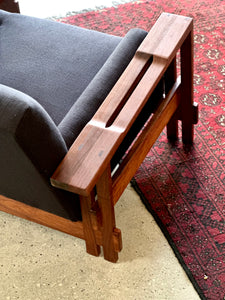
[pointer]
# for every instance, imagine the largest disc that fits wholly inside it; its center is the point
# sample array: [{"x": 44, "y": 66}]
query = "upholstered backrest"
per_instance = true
[{"x": 50, "y": 61}]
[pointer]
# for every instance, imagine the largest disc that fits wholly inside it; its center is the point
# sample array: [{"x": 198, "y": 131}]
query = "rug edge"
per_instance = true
[{"x": 135, "y": 186}]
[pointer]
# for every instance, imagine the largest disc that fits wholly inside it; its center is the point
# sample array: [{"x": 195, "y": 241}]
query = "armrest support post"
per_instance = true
[
  {"x": 89, "y": 236},
  {"x": 106, "y": 205}
]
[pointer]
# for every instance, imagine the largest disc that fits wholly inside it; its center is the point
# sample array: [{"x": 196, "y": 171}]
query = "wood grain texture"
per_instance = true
[
  {"x": 44, "y": 218},
  {"x": 166, "y": 36},
  {"x": 89, "y": 235},
  {"x": 104, "y": 192},
  {"x": 95, "y": 146},
  {"x": 39, "y": 216},
  {"x": 93, "y": 149},
  {"x": 145, "y": 141}
]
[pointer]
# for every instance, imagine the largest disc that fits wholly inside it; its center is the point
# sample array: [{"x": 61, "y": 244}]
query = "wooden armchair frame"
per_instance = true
[{"x": 86, "y": 169}]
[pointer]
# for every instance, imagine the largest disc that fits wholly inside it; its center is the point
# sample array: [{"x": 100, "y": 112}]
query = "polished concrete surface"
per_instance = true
[{"x": 41, "y": 263}]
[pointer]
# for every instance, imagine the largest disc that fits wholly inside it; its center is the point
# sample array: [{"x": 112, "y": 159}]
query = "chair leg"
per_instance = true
[
  {"x": 172, "y": 129},
  {"x": 170, "y": 78},
  {"x": 105, "y": 202},
  {"x": 91, "y": 246},
  {"x": 187, "y": 89}
]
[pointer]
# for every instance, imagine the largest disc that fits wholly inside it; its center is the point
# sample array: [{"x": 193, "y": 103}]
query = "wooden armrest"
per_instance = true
[{"x": 92, "y": 151}]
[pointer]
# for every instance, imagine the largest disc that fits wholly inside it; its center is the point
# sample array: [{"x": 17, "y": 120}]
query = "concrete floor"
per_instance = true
[{"x": 40, "y": 263}]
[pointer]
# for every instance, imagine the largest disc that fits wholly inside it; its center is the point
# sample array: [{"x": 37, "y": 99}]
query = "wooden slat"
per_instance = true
[
  {"x": 39, "y": 216},
  {"x": 123, "y": 89},
  {"x": 145, "y": 141}
]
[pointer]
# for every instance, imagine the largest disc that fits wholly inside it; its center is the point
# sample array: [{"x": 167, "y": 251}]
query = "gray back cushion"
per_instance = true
[
  {"x": 67, "y": 69},
  {"x": 50, "y": 61},
  {"x": 95, "y": 93}
]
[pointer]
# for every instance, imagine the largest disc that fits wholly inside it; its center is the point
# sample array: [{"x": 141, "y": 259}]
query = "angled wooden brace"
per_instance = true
[{"x": 86, "y": 167}]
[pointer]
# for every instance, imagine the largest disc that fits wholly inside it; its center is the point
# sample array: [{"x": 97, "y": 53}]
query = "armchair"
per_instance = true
[{"x": 79, "y": 112}]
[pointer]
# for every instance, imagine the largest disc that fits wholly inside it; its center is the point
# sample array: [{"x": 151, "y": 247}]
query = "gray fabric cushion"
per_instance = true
[
  {"x": 95, "y": 93},
  {"x": 33, "y": 129},
  {"x": 50, "y": 61},
  {"x": 31, "y": 147},
  {"x": 54, "y": 63}
]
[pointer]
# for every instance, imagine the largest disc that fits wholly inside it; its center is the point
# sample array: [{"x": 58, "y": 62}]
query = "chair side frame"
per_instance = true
[{"x": 86, "y": 167}]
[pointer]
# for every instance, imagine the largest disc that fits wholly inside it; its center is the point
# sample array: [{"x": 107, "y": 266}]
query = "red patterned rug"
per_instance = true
[{"x": 184, "y": 188}]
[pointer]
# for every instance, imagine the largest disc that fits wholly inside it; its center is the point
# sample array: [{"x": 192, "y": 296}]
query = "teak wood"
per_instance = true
[
  {"x": 86, "y": 169},
  {"x": 95, "y": 146},
  {"x": 9, "y": 5}
]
